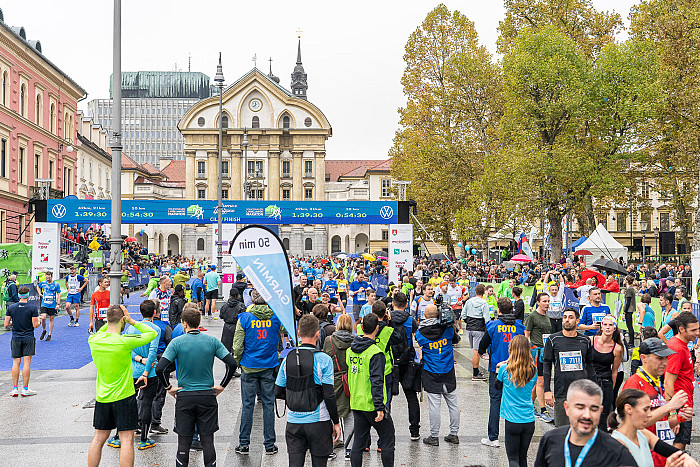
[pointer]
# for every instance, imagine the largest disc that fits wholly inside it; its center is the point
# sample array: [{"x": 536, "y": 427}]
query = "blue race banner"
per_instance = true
[
  {"x": 380, "y": 283},
  {"x": 261, "y": 256},
  {"x": 69, "y": 211}
]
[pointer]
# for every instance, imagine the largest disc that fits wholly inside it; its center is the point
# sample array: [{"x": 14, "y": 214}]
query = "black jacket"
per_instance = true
[
  {"x": 177, "y": 303},
  {"x": 376, "y": 369},
  {"x": 230, "y": 310}
]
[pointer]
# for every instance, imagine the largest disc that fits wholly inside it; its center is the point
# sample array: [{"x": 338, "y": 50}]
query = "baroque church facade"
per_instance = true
[{"x": 284, "y": 158}]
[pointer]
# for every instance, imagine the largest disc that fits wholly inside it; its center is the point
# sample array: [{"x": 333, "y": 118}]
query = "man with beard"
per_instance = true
[{"x": 582, "y": 444}]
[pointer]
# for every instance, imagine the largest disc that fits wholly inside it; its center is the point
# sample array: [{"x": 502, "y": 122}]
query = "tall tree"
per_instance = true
[{"x": 454, "y": 99}]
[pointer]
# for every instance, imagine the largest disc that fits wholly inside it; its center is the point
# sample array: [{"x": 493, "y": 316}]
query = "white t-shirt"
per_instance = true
[{"x": 583, "y": 294}]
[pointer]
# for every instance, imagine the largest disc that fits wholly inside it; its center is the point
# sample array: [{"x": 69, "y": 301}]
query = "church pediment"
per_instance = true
[{"x": 255, "y": 100}]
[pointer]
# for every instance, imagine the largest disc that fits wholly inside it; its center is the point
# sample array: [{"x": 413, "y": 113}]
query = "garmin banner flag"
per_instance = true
[{"x": 261, "y": 256}]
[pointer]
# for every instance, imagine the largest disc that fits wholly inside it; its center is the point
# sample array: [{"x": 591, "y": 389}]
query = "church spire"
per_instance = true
[
  {"x": 271, "y": 75},
  {"x": 299, "y": 84}
]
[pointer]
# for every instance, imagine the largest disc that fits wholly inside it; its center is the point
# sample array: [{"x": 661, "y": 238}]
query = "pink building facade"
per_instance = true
[{"x": 38, "y": 120}]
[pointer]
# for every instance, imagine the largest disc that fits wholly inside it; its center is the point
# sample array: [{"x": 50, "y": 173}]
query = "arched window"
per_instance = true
[
  {"x": 5, "y": 88},
  {"x": 22, "y": 99},
  {"x": 52, "y": 118},
  {"x": 285, "y": 243},
  {"x": 256, "y": 122},
  {"x": 37, "y": 110},
  {"x": 200, "y": 244},
  {"x": 285, "y": 122},
  {"x": 224, "y": 121},
  {"x": 308, "y": 244}
]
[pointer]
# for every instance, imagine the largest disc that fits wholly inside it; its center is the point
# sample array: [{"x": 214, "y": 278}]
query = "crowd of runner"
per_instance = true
[{"x": 361, "y": 345}]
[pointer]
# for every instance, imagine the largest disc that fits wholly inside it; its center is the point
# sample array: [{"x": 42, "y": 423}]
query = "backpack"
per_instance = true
[
  {"x": 302, "y": 394},
  {"x": 6, "y": 292},
  {"x": 402, "y": 351}
]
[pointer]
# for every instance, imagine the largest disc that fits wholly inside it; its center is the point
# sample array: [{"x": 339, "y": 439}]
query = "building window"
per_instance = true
[
  {"x": 200, "y": 121},
  {"x": 37, "y": 110},
  {"x": 20, "y": 166},
  {"x": 308, "y": 168},
  {"x": 200, "y": 244},
  {"x": 286, "y": 169},
  {"x": 224, "y": 121},
  {"x": 256, "y": 122},
  {"x": 3, "y": 158},
  {"x": 224, "y": 194},
  {"x": 201, "y": 169},
  {"x": 385, "y": 235},
  {"x": 644, "y": 188},
  {"x": 646, "y": 217},
  {"x": 52, "y": 118},
  {"x": 224, "y": 168},
  {"x": 201, "y": 193},
  {"x": 5, "y": 87},
  {"x": 386, "y": 187},
  {"x": 285, "y": 122},
  {"x": 308, "y": 194},
  {"x": 22, "y": 99},
  {"x": 335, "y": 244},
  {"x": 255, "y": 168},
  {"x": 621, "y": 221},
  {"x": 51, "y": 170},
  {"x": 286, "y": 194},
  {"x": 37, "y": 166},
  {"x": 664, "y": 222},
  {"x": 307, "y": 122},
  {"x": 308, "y": 244}
]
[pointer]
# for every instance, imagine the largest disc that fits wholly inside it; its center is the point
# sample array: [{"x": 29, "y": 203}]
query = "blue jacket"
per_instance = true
[
  {"x": 437, "y": 344},
  {"x": 260, "y": 329},
  {"x": 198, "y": 289},
  {"x": 499, "y": 333},
  {"x": 148, "y": 351}
]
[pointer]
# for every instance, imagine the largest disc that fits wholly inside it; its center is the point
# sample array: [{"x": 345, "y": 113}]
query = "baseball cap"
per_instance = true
[
  {"x": 179, "y": 288},
  {"x": 239, "y": 276},
  {"x": 325, "y": 293},
  {"x": 655, "y": 346}
]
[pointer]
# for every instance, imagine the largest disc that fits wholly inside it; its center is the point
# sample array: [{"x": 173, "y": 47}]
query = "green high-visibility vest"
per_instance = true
[
  {"x": 358, "y": 379},
  {"x": 382, "y": 341}
]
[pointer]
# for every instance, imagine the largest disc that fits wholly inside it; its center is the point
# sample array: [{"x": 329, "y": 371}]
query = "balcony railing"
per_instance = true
[{"x": 37, "y": 192}]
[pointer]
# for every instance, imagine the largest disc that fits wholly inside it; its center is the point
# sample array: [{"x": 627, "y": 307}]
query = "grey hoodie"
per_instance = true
[{"x": 476, "y": 314}]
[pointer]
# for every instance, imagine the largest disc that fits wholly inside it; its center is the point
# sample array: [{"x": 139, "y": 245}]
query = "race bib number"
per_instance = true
[
  {"x": 361, "y": 296},
  {"x": 453, "y": 300},
  {"x": 165, "y": 310},
  {"x": 341, "y": 287},
  {"x": 49, "y": 299},
  {"x": 571, "y": 361},
  {"x": 102, "y": 313},
  {"x": 598, "y": 317},
  {"x": 544, "y": 338},
  {"x": 555, "y": 305},
  {"x": 664, "y": 432}
]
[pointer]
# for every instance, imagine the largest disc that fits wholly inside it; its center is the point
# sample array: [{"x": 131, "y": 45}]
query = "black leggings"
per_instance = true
[
  {"x": 556, "y": 324},
  {"x": 630, "y": 328},
  {"x": 518, "y": 437},
  {"x": 608, "y": 401},
  {"x": 183, "y": 450}
]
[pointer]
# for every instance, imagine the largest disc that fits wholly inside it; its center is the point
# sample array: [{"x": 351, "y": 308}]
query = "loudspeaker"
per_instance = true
[
  {"x": 667, "y": 243},
  {"x": 637, "y": 244},
  {"x": 404, "y": 211}
]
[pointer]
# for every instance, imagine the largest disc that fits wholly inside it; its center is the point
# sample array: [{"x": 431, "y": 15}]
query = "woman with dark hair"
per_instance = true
[
  {"x": 607, "y": 356},
  {"x": 516, "y": 377},
  {"x": 627, "y": 424}
]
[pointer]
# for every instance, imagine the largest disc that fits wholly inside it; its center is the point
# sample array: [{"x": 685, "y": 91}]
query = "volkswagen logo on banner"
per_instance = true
[
  {"x": 386, "y": 212},
  {"x": 58, "y": 211}
]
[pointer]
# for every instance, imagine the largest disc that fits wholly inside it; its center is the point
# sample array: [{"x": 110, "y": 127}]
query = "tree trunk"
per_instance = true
[
  {"x": 588, "y": 214},
  {"x": 682, "y": 223},
  {"x": 555, "y": 231},
  {"x": 696, "y": 232}
]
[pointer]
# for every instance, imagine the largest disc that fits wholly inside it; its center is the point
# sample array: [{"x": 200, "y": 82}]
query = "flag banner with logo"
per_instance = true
[
  {"x": 45, "y": 248},
  {"x": 400, "y": 250},
  {"x": 261, "y": 255},
  {"x": 148, "y": 211}
]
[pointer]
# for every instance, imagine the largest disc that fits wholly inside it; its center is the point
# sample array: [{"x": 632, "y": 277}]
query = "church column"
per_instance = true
[
  {"x": 320, "y": 239},
  {"x": 273, "y": 179},
  {"x": 296, "y": 240},
  {"x": 190, "y": 174},
  {"x": 213, "y": 171},
  {"x": 235, "y": 172},
  {"x": 320, "y": 178},
  {"x": 298, "y": 187}
]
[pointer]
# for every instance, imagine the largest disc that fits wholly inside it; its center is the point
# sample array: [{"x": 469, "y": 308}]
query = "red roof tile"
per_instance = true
[
  {"x": 175, "y": 171},
  {"x": 337, "y": 168}
]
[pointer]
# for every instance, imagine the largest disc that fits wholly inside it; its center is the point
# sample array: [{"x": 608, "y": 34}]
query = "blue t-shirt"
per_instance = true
[
  {"x": 501, "y": 334},
  {"x": 331, "y": 287},
  {"x": 51, "y": 292},
  {"x": 195, "y": 353},
  {"x": 516, "y": 402},
  {"x": 593, "y": 314},
  {"x": 438, "y": 356},
  {"x": 649, "y": 317},
  {"x": 359, "y": 298},
  {"x": 323, "y": 374},
  {"x": 22, "y": 326},
  {"x": 177, "y": 331},
  {"x": 310, "y": 272},
  {"x": 318, "y": 273},
  {"x": 365, "y": 310},
  {"x": 212, "y": 280},
  {"x": 198, "y": 289}
]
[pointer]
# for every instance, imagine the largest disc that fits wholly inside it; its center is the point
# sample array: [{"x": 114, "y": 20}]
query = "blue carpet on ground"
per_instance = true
[{"x": 68, "y": 348}]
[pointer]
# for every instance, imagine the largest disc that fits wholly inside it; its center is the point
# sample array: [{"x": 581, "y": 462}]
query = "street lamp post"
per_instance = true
[
  {"x": 643, "y": 225},
  {"x": 115, "y": 241},
  {"x": 219, "y": 80},
  {"x": 656, "y": 235}
]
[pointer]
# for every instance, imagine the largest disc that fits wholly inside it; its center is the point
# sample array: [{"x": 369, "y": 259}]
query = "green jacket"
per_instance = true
[
  {"x": 152, "y": 284},
  {"x": 365, "y": 379},
  {"x": 180, "y": 279},
  {"x": 260, "y": 312},
  {"x": 382, "y": 341}
]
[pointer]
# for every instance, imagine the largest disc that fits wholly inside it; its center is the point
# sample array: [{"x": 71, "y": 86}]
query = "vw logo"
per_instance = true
[
  {"x": 58, "y": 211},
  {"x": 386, "y": 212}
]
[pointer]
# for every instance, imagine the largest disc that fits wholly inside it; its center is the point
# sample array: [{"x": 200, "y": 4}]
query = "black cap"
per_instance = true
[
  {"x": 179, "y": 288},
  {"x": 656, "y": 346},
  {"x": 239, "y": 276}
]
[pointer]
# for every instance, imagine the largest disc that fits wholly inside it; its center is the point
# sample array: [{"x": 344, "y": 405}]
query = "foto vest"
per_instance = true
[
  {"x": 382, "y": 341},
  {"x": 358, "y": 379},
  {"x": 260, "y": 341},
  {"x": 501, "y": 334},
  {"x": 438, "y": 355}
]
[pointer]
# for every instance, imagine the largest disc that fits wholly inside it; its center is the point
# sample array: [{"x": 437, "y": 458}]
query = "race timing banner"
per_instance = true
[
  {"x": 261, "y": 256},
  {"x": 69, "y": 211}
]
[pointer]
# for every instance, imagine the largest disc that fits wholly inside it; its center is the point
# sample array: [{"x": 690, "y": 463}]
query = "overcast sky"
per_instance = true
[{"x": 353, "y": 53}]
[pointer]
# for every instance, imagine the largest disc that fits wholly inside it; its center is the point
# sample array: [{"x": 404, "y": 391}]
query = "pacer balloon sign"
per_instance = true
[{"x": 261, "y": 256}]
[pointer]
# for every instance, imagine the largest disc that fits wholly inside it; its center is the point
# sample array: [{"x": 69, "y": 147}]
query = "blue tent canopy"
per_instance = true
[{"x": 578, "y": 242}]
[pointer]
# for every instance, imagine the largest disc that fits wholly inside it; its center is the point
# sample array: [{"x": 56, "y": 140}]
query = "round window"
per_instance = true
[
  {"x": 200, "y": 121},
  {"x": 307, "y": 121}
]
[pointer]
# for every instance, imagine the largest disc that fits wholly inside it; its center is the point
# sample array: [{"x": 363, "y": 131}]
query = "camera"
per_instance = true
[{"x": 446, "y": 317}]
